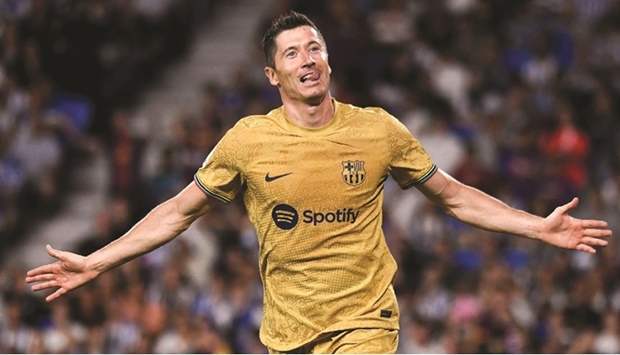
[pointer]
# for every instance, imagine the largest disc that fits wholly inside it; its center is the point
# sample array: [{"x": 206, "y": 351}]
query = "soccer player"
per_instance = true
[{"x": 311, "y": 173}]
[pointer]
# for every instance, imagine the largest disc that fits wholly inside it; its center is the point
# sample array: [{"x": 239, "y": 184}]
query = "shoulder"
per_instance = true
[
  {"x": 253, "y": 124},
  {"x": 370, "y": 112},
  {"x": 376, "y": 117},
  {"x": 248, "y": 132},
  {"x": 258, "y": 122},
  {"x": 381, "y": 121}
]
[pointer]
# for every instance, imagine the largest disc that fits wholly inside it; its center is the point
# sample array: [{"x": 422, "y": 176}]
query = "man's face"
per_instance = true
[{"x": 301, "y": 70}]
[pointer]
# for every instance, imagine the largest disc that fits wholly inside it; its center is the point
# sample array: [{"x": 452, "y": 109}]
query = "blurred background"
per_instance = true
[{"x": 108, "y": 108}]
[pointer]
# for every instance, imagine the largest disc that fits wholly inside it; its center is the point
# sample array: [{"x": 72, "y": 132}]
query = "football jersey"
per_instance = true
[{"x": 315, "y": 198}]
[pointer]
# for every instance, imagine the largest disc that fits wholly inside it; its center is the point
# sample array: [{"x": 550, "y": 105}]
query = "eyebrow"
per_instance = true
[{"x": 307, "y": 44}]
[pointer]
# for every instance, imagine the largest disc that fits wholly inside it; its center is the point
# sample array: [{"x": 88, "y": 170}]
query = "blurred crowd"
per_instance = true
[
  {"x": 65, "y": 66},
  {"x": 518, "y": 99}
]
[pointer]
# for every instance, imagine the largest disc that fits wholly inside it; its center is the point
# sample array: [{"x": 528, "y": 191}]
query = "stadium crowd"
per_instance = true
[
  {"x": 518, "y": 99},
  {"x": 64, "y": 66}
]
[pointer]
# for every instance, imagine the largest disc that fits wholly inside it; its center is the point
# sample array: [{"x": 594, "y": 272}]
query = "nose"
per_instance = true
[{"x": 308, "y": 60}]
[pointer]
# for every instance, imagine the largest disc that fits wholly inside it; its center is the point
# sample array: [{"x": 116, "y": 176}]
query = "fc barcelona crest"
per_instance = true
[{"x": 353, "y": 172}]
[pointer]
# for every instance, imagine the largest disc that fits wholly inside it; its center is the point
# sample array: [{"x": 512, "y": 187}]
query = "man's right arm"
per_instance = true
[
  {"x": 157, "y": 228},
  {"x": 160, "y": 226}
]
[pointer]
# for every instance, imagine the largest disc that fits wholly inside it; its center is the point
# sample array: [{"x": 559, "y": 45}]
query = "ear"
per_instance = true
[
  {"x": 270, "y": 73},
  {"x": 327, "y": 61}
]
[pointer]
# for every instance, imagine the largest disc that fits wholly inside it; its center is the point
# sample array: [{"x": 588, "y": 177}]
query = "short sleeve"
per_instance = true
[
  {"x": 220, "y": 174},
  {"x": 410, "y": 164}
]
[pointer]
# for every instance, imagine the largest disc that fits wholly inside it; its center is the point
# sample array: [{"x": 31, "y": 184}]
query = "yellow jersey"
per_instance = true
[{"x": 315, "y": 198}]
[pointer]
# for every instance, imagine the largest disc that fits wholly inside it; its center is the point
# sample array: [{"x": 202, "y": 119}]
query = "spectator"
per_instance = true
[
  {"x": 37, "y": 148},
  {"x": 608, "y": 340},
  {"x": 567, "y": 146}
]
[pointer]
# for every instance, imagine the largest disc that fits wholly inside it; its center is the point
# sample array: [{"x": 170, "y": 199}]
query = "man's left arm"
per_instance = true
[{"x": 481, "y": 210}]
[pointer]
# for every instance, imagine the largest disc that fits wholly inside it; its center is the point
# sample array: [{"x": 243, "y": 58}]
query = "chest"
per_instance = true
[{"x": 341, "y": 166}]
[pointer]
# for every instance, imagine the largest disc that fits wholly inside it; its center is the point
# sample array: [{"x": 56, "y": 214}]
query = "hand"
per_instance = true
[
  {"x": 68, "y": 273},
  {"x": 564, "y": 231}
]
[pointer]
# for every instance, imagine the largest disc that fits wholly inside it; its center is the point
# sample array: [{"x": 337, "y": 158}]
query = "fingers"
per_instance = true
[
  {"x": 44, "y": 285},
  {"x": 594, "y": 242},
  {"x": 586, "y": 248},
  {"x": 42, "y": 270},
  {"x": 588, "y": 243},
  {"x": 47, "y": 276},
  {"x": 592, "y": 223},
  {"x": 599, "y": 233},
  {"x": 45, "y": 281},
  {"x": 55, "y": 295},
  {"x": 44, "y": 277},
  {"x": 592, "y": 232},
  {"x": 53, "y": 252},
  {"x": 49, "y": 268},
  {"x": 569, "y": 206},
  {"x": 39, "y": 278}
]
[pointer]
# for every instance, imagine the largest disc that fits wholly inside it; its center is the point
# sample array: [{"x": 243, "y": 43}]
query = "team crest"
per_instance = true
[{"x": 353, "y": 172}]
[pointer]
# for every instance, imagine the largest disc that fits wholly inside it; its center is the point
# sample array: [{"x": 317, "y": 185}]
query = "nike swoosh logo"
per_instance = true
[{"x": 276, "y": 177}]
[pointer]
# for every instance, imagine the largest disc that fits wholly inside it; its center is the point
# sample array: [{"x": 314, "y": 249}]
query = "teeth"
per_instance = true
[{"x": 305, "y": 77}]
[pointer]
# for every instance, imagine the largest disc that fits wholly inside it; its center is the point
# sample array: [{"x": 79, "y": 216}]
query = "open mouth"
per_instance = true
[{"x": 313, "y": 76}]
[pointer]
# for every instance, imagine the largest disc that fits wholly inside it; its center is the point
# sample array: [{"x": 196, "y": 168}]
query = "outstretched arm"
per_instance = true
[
  {"x": 160, "y": 226},
  {"x": 476, "y": 208}
]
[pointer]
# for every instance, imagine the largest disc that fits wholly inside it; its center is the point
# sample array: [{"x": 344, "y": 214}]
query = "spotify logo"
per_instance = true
[{"x": 284, "y": 216}]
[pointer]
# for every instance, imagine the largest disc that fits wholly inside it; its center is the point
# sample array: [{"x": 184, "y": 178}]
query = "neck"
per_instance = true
[{"x": 310, "y": 115}]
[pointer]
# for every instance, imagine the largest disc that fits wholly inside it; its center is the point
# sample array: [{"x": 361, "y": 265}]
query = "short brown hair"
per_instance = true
[{"x": 283, "y": 23}]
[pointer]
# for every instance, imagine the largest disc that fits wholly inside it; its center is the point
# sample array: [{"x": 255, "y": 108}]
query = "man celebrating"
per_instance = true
[{"x": 311, "y": 173}]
